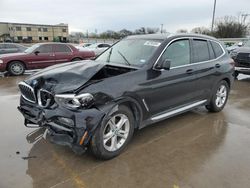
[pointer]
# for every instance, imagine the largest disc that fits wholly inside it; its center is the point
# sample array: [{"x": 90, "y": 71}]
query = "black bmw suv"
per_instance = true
[{"x": 138, "y": 81}]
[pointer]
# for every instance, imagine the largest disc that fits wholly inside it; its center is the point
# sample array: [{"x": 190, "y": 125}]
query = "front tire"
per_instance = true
[
  {"x": 114, "y": 133},
  {"x": 16, "y": 68},
  {"x": 219, "y": 98}
]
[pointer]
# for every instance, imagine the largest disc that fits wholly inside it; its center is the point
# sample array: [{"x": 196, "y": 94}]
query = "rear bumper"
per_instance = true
[{"x": 64, "y": 127}]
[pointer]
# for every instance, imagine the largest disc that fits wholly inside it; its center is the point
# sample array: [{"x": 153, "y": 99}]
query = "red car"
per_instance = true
[{"x": 40, "y": 56}]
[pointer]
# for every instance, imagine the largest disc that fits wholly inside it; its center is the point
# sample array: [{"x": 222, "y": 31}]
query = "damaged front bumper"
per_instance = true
[{"x": 72, "y": 128}]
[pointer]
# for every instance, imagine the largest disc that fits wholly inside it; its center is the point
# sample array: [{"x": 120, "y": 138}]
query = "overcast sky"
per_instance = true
[{"x": 118, "y": 14}]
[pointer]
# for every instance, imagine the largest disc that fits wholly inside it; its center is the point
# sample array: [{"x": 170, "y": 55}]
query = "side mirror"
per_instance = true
[
  {"x": 164, "y": 65},
  {"x": 36, "y": 52}
]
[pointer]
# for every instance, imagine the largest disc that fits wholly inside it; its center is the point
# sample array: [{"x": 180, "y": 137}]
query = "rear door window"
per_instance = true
[
  {"x": 200, "y": 51},
  {"x": 217, "y": 49},
  {"x": 60, "y": 48},
  {"x": 10, "y": 46},
  {"x": 211, "y": 51}
]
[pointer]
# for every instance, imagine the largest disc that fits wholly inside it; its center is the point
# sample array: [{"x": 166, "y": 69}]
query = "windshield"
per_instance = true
[
  {"x": 135, "y": 52},
  {"x": 32, "y": 48}
]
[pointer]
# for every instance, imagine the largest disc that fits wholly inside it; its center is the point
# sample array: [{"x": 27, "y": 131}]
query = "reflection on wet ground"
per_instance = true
[{"x": 196, "y": 149}]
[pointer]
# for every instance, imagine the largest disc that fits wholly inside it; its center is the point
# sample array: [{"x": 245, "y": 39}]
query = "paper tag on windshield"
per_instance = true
[{"x": 152, "y": 43}]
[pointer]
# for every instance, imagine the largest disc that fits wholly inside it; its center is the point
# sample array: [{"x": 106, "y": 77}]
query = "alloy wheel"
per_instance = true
[
  {"x": 221, "y": 96},
  {"x": 17, "y": 68},
  {"x": 116, "y": 132}
]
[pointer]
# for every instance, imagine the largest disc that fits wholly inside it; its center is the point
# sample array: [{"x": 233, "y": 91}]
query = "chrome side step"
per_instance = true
[{"x": 176, "y": 111}]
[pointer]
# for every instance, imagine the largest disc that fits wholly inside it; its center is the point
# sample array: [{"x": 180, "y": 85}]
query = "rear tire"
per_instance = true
[
  {"x": 113, "y": 135},
  {"x": 219, "y": 98},
  {"x": 16, "y": 68},
  {"x": 236, "y": 74}
]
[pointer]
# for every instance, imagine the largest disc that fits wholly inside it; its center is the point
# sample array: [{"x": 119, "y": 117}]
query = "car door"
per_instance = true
[
  {"x": 2, "y": 50},
  {"x": 203, "y": 57},
  {"x": 42, "y": 56},
  {"x": 174, "y": 87},
  {"x": 10, "y": 48},
  {"x": 63, "y": 53},
  {"x": 101, "y": 48}
]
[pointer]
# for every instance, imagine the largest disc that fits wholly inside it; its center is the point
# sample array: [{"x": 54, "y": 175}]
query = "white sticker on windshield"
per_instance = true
[{"x": 152, "y": 43}]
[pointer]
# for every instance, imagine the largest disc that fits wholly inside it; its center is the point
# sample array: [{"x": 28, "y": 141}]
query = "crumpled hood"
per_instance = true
[{"x": 65, "y": 77}]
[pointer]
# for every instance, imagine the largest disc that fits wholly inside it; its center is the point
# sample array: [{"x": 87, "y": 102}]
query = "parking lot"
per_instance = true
[{"x": 196, "y": 149}]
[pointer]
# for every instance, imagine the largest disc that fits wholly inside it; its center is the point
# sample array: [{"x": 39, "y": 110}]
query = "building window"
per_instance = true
[
  {"x": 18, "y": 28},
  {"x": 28, "y": 28},
  {"x": 40, "y": 38},
  {"x": 29, "y": 38},
  {"x": 46, "y": 38},
  {"x": 64, "y": 30},
  {"x": 19, "y": 38},
  {"x": 45, "y": 29},
  {"x": 39, "y": 29}
]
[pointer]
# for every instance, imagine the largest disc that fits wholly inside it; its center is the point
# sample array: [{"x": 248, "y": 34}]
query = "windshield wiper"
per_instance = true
[
  {"x": 124, "y": 57},
  {"x": 110, "y": 52}
]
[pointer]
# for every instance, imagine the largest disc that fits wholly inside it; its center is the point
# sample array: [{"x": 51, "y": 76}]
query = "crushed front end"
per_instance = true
[{"x": 66, "y": 125}]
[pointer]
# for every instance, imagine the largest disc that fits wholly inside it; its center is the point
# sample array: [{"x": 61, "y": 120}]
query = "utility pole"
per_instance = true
[
  {"x": 161, "y": 28},
  {"x": 244, "y": 17},
  {"x": 213, "y": 16}
]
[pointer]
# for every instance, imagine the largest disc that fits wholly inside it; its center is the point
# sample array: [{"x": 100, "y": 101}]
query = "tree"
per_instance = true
[
  {"x": 140, "y": 31},
  {"x": 151, "y": 30},
  {"x": 182, "y": 31},
  {"x": 230, "y": 27},
  {"x": 124, "y": 32},
  {"x": 201, "y": 30}
]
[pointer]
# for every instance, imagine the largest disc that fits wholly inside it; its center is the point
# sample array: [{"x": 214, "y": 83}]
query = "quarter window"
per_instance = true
[
  {"x": 178, "y": 53},
  {"x": 62, "y": 48},
  {"x": 217, "y": 49},
  {"x": 200, "y": 51}
]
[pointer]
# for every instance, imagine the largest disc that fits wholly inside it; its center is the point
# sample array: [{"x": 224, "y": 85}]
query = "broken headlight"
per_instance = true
[{"x": 74, "y": 101}]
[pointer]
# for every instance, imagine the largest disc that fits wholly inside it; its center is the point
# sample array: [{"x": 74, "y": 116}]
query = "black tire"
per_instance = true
[
  {"x": 236, "y": 74},
  {"x": 97, "y": 140},
  {"x": 77, "y": 59},
  {"x": 16, "y": 68},
  {"x": 214, "y": 105}
]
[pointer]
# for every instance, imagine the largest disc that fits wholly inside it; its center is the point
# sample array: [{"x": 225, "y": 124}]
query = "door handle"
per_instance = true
[
  {"x": 52, "y": 55},
  {"x": 217, "y": 65},
  {"x": 190, "y": 71}
]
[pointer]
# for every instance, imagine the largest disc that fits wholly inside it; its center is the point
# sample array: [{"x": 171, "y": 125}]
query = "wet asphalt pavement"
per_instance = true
[{"x": 196, "y": 149}]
